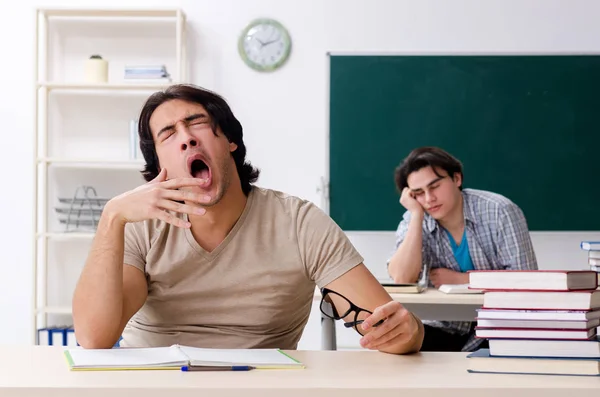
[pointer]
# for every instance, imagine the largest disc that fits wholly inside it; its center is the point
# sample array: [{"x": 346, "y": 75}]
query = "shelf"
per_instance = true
[
  {"x": 67, "y": 235},
  {"x": 78, "y": 146},
  {"x": 136, "y": 165},
  {"x": 111, "y": 13},
  {"x": 54, "y": 310},
  {"x": 90, "y": 88}
]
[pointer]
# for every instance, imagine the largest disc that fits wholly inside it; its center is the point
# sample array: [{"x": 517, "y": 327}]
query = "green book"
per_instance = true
[{"x": 177, "y": 357}]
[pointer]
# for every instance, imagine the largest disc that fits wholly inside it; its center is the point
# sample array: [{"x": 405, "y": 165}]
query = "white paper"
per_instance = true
[
  {"x": 255, "y": 357},
  {"x": 124, "y": 357}
]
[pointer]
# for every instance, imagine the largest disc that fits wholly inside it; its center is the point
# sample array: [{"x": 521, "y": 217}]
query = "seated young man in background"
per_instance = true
[
  {"x": 199, "y": 256},
  {"x": 447, "y": 231}
]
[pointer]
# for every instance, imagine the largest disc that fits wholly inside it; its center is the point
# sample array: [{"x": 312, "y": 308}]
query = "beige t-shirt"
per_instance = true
[{"x": 253, "y": 291}]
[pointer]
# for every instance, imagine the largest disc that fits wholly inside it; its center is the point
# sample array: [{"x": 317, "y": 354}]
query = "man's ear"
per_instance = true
[
  {"x": 457, "y": 179},
  {"x": 232, "y": 147}
]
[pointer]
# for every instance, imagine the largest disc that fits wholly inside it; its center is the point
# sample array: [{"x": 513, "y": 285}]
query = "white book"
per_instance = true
[
  {"x": 43, "y": 337},
  {"x": 482, "y": 361},
  {"x": 546, "y": 280},
  {"x": 176, "y": 357},
  {"x": 580, "y": 300},
  {"x": 152, "y": 80},
  {"x": 545, "y": 348},
  {"x": 408, "y": 288},
  {"x": 71, "y": 340},
  {"x": 520, "y": 333},
  {"x": 458, "y": 289},
  {"x": 558, "y": 315},
  {"x": 590, "y": 245},
  {"x": 543, "y": 324}
]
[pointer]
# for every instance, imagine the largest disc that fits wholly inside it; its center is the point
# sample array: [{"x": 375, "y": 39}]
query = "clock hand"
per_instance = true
[{"x": 271, "y": 41}]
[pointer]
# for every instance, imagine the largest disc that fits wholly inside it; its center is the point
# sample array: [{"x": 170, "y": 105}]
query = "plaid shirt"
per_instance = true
[{"x": 498, "y": 239}]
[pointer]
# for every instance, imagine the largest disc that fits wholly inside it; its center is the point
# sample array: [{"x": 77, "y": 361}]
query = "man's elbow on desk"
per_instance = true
[
  {"x": 401, "y": 274},
  {"x": 403, "y": 278},
  {"x": 93, "y": 332}
]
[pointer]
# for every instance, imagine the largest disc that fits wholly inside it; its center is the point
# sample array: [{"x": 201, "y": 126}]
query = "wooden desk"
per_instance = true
[
  {"x": 430, "y": 304},
  {"x": 435, "y": 305},
  {"x": 42, "y": 371}
]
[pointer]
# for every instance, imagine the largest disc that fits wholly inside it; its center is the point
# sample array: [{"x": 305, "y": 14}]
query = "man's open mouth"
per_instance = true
[{"x": 199, "y": 169}]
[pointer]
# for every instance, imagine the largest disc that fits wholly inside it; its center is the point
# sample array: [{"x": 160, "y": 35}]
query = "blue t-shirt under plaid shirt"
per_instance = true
[
  {"x": 461, "y": 252},
  {"x": 498, "y": 238}
]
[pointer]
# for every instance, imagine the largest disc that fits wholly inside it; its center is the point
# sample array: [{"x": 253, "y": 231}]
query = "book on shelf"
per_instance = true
[
  {"x": 56, "y": 336},
  {"x": 147, "y": 80},
  {"x": 176, "y": 357},
  {"x": 482, "y": 362},
  {"x": 546, "y": 280},
  {"x": 145, "y": 68}
]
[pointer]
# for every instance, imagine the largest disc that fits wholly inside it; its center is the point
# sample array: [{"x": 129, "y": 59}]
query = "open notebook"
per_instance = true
[{"x": 175, "y": 357}]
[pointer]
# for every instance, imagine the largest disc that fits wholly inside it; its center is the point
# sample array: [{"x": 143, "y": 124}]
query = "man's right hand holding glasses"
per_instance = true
[{"x": 389, "y": 327}]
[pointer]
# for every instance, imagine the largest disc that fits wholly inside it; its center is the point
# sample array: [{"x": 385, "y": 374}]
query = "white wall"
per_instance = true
[{"x": 288, "y": 106}]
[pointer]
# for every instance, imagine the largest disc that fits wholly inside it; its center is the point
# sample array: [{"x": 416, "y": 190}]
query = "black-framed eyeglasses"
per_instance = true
[{"x": 336, "y": 306}]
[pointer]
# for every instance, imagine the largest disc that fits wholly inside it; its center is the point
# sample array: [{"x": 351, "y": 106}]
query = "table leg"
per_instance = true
[{"x": 328, "y": 338}]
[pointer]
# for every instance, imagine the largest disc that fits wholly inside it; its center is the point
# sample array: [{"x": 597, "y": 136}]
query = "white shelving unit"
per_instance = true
[{"x": 82, "y": 132}]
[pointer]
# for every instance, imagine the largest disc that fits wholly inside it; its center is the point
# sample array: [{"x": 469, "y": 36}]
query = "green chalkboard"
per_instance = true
[{"x": 526, "y": 127}]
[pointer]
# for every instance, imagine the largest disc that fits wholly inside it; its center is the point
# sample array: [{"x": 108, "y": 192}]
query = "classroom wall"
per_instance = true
[{"x": 284, "y": 114}]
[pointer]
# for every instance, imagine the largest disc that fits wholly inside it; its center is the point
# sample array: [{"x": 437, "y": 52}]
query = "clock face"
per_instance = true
[{"x": 264, "y": 45}]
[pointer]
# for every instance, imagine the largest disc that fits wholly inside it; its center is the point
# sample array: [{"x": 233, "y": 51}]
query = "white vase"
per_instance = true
[{"x": 96, "y": 70}]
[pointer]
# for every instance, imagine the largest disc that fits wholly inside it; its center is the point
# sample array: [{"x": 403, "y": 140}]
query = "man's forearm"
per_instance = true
[
  {"x": 98, "y": 298},
  {"x": 405, "y": 265}
]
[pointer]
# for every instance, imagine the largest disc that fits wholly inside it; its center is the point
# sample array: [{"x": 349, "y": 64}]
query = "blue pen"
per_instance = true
[{"x": 191, "y": 368}]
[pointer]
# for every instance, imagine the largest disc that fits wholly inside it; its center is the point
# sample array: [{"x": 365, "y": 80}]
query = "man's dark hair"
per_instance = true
[
  {"x": 221, "y": 117},
  {"x": 427, "y": 156}
]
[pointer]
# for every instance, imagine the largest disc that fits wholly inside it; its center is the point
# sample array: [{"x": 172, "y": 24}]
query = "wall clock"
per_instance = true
[{"x": 265, "y": 45}]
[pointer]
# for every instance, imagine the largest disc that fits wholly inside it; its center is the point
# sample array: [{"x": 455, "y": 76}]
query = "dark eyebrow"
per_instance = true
[
  {"x": 193, "y": 117},
  {"x": 429, "y": 184}
]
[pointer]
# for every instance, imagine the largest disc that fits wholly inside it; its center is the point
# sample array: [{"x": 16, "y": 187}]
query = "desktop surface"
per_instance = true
[{"x": 37, "y": 370}]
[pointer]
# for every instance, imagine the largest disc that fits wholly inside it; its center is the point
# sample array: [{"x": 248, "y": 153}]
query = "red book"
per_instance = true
[{"x": 541, "y": 280}]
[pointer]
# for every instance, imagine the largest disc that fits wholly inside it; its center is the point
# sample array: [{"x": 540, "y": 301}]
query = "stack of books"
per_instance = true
[
  {"x": 147, "y": 73},
  {"x": 538, "y": 322},
  {"x": 593, "y": 249}
]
